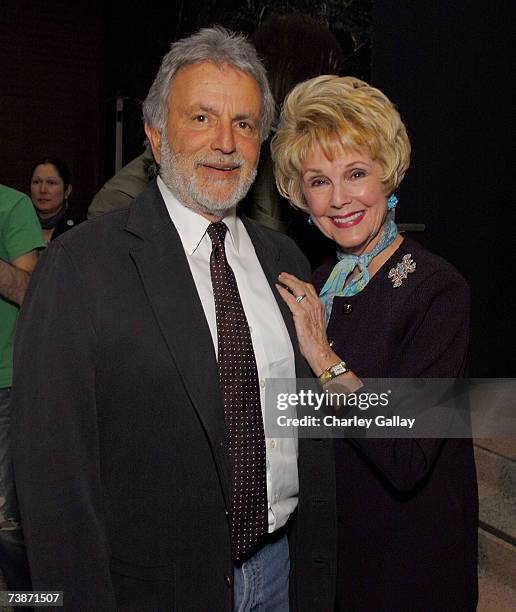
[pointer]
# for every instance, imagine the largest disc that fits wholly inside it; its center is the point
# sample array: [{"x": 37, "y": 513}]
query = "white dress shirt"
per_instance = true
[{"x": 271, "y": 343}]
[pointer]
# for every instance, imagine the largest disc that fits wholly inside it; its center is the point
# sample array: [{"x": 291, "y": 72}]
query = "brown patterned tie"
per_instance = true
[{"x": 238, "y": 379}]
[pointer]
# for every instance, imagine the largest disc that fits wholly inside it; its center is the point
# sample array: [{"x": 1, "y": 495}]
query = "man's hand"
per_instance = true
[{"x": 15, "y": 276}]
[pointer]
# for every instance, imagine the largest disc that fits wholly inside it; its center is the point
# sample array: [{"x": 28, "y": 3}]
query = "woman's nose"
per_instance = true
[{"x": 340, "y": 197}]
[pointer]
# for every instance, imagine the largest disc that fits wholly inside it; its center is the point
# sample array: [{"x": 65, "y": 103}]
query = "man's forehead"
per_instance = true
[{"x": 197, "y": 81}]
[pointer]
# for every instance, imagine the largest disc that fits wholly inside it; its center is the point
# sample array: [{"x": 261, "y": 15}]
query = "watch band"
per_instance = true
[{"x": 332, "y": 372}]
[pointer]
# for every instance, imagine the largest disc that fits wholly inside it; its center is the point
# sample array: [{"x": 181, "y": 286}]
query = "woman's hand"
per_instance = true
[{"x": 308, "y": 316}]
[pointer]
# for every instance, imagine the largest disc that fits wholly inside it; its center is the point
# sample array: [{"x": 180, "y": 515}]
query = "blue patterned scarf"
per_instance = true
[{"x": 335, "y": 284}]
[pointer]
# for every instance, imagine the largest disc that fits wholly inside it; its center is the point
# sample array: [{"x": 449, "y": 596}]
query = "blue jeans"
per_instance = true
[
  {"x": 13, "y": 556},
  {"x": 261, "y": 582}
]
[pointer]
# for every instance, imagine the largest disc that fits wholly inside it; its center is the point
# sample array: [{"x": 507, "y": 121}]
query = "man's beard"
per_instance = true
[{"x": 178, "y": 173}]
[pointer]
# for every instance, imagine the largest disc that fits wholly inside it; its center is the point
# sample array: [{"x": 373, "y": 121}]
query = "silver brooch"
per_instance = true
[{"x": 401, "y": 271}]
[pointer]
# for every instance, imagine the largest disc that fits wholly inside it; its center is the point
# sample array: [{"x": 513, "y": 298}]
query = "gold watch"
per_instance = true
[{"x": 332, "y": 372}]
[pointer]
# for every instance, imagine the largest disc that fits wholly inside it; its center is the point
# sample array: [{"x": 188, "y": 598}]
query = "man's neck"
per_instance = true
[{"x": 211, "y": 217}]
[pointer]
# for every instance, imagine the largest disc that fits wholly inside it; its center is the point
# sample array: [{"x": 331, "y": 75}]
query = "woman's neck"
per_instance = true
[
  {"x": 50, "y": 214},
  {"x": 384, "y": 255}
]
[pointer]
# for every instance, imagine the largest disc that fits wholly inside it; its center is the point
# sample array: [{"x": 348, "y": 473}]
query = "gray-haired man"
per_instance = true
[{"x": 144, "y": 478}]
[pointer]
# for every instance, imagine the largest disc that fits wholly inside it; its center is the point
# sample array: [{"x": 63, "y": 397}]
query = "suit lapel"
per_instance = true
[{"x": 170, "y": 288}]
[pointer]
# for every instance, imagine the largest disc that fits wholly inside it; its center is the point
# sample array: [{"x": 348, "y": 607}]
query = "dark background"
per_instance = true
[{"x": 445, "y": 65}]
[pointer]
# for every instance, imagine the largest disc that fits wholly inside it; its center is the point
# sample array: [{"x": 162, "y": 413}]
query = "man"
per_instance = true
[
  {"x": 144, "y": 478},
  {"x": 20, "y": 237}
]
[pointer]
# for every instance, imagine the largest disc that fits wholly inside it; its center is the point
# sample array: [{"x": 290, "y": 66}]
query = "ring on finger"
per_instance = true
[{"x": 300, "y": 298}]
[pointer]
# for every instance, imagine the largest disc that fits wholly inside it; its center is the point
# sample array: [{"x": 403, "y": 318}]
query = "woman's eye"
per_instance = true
[
  {"x": 357, "y": 174},
  {"x": 317, "y": 182}
]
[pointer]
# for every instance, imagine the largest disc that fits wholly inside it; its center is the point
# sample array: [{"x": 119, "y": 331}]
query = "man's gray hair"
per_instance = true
[{"x": 216, "y": 45}]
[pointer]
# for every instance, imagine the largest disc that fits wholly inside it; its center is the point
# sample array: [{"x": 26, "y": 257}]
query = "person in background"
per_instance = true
[
  {"x": 407, "y": 508},
  {"x": 50, "y": 188},
  {"x": 144, "y": 475},
  {"x": 20, "y": 239},
  {"x": 294, "y": 47},
  {"x": 120, "y": 190}
]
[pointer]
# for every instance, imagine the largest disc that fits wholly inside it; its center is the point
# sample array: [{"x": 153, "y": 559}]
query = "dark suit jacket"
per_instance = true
[
  {"x": 120, "y": 455},
  {"x": 407, "y": 508}
]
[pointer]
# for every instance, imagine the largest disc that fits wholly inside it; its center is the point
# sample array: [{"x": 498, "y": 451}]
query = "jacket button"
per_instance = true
[
  {"x": 347, "y": 308},
  {"x": 228, "y": 580}
]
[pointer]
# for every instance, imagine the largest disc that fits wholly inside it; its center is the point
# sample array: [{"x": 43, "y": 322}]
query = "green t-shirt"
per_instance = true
[{"x": 20, "y": 233}]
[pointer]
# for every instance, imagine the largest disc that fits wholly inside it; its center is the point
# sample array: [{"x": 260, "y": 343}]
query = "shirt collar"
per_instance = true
[{"x": 192, "y": 226}]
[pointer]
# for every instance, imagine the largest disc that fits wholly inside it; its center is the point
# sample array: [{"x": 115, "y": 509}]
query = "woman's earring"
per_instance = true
[
  {"x": 310, "y": 220},
  {"x": 391, "y": 202}
]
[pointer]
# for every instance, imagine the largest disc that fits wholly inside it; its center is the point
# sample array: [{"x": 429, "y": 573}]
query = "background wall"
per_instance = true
[
  {"x": 49, "y": 79},
  {"x": 446, "y": 65}
]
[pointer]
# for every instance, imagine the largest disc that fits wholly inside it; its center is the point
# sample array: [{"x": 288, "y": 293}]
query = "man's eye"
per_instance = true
[
  {"x": 201, "y": 118},
  {"x": 244, "y": 125}
]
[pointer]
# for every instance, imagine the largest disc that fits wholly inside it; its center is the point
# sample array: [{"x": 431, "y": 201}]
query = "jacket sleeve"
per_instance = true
[
  {"x": 55, "y": 438},
  {"x": 434, "y": 345}
]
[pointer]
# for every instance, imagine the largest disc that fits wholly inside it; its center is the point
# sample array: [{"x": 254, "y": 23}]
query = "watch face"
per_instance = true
[{"x": 339, "y": 369}]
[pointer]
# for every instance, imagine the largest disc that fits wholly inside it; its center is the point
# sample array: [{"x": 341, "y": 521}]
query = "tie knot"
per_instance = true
[{"x": 217, "y": 232}]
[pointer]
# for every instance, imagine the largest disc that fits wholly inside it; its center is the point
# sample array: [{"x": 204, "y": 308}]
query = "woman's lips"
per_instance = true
[{"x": 343, "y": 221}]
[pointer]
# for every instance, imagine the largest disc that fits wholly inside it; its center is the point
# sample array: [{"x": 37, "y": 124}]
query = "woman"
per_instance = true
[
  {"x": 50, "y": 188},
  {"x": 407, "y": 508}
]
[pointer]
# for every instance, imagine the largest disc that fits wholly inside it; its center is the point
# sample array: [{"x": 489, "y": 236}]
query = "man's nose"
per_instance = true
[{"x": 224, "y": 138}]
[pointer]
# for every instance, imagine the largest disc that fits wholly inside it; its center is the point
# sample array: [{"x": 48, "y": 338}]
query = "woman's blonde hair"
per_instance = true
[{"x": 328, "y": 110}]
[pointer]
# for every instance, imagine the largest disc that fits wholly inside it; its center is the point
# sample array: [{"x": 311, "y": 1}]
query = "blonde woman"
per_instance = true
[{"x": 407, "y": 508}]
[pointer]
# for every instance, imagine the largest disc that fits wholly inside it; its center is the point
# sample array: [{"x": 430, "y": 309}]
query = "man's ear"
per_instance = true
[{"x": 154, "y": 139}]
